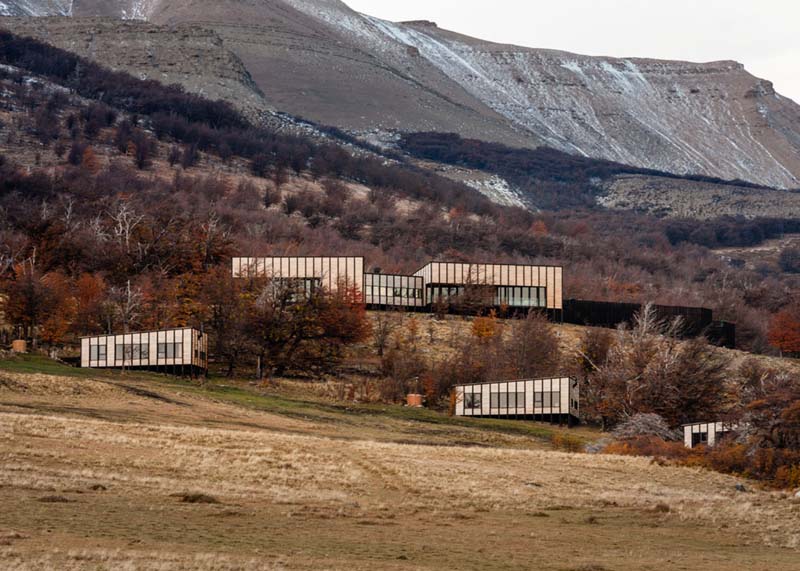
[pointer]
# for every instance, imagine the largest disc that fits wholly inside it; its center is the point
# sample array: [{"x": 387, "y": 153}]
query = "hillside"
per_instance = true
[
  {"x": 260, "y": 481},
  {"x": 189, "y": 167},
  {"x": 374, "y": 77}
]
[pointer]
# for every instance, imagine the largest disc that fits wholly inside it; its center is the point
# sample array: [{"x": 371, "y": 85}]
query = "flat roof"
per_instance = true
[
  {"x": 140, "y": 332},
  {"x": 566, "y": 378},
  {"x": 490, "y": 264}
]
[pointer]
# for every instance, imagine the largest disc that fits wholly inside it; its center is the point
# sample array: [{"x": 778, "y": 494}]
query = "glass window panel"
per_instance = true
[
  {"x": 472, "y": 400},
  {"x": 97, "y": 352}
]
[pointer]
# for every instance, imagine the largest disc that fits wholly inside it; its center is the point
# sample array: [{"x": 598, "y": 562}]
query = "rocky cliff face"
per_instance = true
[
  {"x": 192, "y": 56},
  {"x": 322, "y": 60}
]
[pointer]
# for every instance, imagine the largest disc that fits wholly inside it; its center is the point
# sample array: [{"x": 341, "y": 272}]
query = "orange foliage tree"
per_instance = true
[
  {"x": 61, "y": 309},
  {"x": 90, "y": 292},
  {"x": 485, "y": 328},
  {"x": 784, "y": 331}
]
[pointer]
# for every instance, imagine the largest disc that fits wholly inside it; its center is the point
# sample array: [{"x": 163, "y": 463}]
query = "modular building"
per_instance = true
[
  {"x": 178, "y": 351},
  {"x": 707, "y": 433},
  {"x": 514, "y": 286},
  {"x": 452, "y": 284},
  {"x": 314, "y": 272},
  {"x": 552, "y": 399}
]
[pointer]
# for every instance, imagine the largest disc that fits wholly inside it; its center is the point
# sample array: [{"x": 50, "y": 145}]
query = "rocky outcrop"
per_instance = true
[
  {"x": 192, "y": 56},
  {"x": 681, "y": 198}
]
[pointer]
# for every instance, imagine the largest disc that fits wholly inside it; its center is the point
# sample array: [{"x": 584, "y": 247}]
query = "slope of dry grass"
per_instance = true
[{"x": 94, "y": 476}]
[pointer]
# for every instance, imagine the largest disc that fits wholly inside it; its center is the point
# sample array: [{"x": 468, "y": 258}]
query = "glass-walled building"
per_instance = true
[
  {"x": 553, "y": 399},
  {"x": 449, "y": 286},
  {"x": 501, "y": 285},
  {"x": 305, "y": 272},
  {"x": 392, "y": 290},
  {"x": 182, "y": 350}
]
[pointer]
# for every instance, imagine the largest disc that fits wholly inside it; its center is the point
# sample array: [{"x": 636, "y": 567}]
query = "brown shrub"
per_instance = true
[
  {"x": 731, "y": 459},
  {"x": 649, "y": 446},
  {"x": 567, "y": 443}
]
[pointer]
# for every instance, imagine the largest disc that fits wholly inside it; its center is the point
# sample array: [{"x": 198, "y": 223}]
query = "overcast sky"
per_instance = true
[{"x": 762, "y": 34}]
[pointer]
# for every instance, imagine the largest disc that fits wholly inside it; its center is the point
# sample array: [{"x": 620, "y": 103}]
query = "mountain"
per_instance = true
[{"x": 321, "y": 60}]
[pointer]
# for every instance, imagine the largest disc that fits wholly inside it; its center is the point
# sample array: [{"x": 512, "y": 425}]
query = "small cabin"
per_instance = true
[
  {"x": 706, "y": 433},
  {"x": 552, "y": 399},
  {"x": 181, "y": 351}
]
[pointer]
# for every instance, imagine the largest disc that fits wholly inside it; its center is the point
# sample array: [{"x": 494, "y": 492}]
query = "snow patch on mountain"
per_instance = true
[
  {"x": 36, "y": 8},
  {"x": 621, "y": 110},
  {"x": 498, "y": 190}
]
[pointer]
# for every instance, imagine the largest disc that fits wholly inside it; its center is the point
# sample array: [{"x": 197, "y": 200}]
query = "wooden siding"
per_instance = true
[
  {"x": 101, "y": 351},
  {"x": 532, "y": 397},
  {"x": 330, "y": 271},
  {"x": 515, "y": 275}
]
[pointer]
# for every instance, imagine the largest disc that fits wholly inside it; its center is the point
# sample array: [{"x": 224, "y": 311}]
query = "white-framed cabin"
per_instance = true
[
  {"x": 554, "y": 399},
  {"x": 706, "y": 433},
  {"x": 181, "y": 351}
]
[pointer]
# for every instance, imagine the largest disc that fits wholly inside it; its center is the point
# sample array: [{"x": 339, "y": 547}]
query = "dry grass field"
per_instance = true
[{"x": 102, "y": 472}]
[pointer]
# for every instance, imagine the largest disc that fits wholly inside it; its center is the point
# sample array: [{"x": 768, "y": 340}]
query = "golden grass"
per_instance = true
[{"x": 294, "y": 495}]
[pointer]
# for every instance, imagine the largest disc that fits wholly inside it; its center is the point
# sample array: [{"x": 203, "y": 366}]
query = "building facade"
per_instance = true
[
  {"x": 451, "y": 284},
  {"x": 394, "y": 290},
  {"x": 514, "y": 286},
  {"x": 552, "y": 399},
  {"x": 329, "y": 273},
  {"x": 707, "y": 433},
  {"x": 182, "y": 350}
]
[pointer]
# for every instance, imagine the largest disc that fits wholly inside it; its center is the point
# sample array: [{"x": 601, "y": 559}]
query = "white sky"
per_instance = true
[{"x": 764, "y": 35}]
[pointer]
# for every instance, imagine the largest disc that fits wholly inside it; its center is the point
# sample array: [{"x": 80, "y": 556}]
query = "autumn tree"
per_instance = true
[
  {"x": 89, "y": 161},
  {"x": 784, "y": 331},
  {"x": 485, "y": 328},
  {"x": 33, "y": 299},
  {"x": 305, "y": 329},
  {"x": 90, "y": 297},
  {"x": 61, "y": 309},
  {"x": 533, "y": 348},
  {"x": 650, "y": 370},
  {"x": 228, "y": 305},
  {"x": 593, "y": 351}
]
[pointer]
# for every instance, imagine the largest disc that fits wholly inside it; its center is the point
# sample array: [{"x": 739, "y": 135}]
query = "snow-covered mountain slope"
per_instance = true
[
  {"x": 36, "y": 8},
  {"x": 676, "y": 116},
  {"x": 320, "y": 59}
]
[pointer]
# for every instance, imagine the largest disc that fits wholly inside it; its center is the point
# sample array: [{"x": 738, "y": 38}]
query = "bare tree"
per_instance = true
[
  {"x": 127, "y": 304},
  {"x": 382, "y": 329},
  {"x": 125, "y": 222},
  {"x": 214, "y": 237}
]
